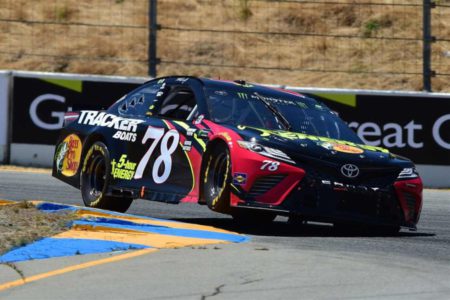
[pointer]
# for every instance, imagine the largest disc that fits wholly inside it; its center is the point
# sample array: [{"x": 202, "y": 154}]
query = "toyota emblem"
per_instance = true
[{"x": 350, "y": 171}]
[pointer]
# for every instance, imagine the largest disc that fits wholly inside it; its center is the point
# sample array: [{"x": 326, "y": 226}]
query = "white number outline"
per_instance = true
[
  {"x": 157, "y": 135},
  {"x": 166, "y": 156},
  {"x": 270, "y": 165}
]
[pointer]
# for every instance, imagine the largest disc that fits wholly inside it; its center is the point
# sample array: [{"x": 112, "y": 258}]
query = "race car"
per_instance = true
[{"x": 242, "y": 149}]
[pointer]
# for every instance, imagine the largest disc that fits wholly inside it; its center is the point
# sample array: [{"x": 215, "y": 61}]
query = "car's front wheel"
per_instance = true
[
  {"x": 94, "y": 180},
  {"x": 217, "y": 178}
]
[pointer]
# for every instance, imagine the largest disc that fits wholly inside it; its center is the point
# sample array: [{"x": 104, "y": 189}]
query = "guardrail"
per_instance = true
[{"x": 412, "y": 124}]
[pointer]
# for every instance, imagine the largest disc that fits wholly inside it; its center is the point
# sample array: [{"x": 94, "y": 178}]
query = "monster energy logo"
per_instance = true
[{"x": 242, "y": 95}]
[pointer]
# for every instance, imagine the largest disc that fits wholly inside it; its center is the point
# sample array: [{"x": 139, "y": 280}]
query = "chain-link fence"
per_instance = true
[
  {"x": 80, "y": 36},
  {"x": 370, "y": 44},
  {"x": 440, "y": 29}
]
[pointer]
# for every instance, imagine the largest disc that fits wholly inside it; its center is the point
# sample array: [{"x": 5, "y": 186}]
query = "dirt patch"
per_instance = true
[
  {"x": 316, "y": 36},
  {"x": 22, "y": 223},
  {"x": 24, "y": 169}
]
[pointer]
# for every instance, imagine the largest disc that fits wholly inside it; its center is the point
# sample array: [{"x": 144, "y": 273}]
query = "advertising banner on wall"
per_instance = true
[
  {"x": 39, "y": 104},
  {"x": 414, "y": 126}
]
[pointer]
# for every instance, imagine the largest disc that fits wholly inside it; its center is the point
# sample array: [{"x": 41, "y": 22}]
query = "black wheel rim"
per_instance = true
[
  {"x": 218, "y": 174},
  {"x": 96, "y": 177}
]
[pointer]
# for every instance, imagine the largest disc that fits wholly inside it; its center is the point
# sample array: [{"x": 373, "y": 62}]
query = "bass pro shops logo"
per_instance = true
[{"x": 68, "y": 154}]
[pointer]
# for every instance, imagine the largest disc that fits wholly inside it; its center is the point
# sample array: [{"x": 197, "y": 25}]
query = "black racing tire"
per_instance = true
[
  {"x": 253, "y": 217},
  {"x": 94, "y": 180},
  {"x": 217, "y": 179}
]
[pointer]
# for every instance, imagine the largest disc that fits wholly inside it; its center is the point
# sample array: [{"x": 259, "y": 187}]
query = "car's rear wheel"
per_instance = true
[
  {"x": 217, "y": 178},
  {"x": 94, "y": 180}
]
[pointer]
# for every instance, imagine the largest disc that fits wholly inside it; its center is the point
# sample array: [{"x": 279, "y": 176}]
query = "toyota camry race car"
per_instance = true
[{"x": 242, "y": 149}]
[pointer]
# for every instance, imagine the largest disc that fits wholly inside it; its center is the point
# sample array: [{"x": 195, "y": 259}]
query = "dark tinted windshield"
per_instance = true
[{"x": 305, "y": 115}]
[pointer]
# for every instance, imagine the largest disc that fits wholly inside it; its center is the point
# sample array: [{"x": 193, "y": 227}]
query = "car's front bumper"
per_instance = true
[{"x": 396, "y": 205}]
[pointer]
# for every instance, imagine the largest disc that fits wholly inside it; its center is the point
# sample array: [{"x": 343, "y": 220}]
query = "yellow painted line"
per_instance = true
[
  {"x": 179, "y": 225},
  {"x": 94, "y": 232},
  {"x": 154, "y": 240},
  {"x": 94, "y": 263},
  {"x": 82, "y": 212}
]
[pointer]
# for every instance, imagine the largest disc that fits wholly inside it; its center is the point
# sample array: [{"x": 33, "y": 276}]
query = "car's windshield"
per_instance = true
[{"x": 303, "y": 114}]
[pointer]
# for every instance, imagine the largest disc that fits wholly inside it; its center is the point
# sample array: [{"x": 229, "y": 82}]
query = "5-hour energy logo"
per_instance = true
[{"x": 123, "y": 169}]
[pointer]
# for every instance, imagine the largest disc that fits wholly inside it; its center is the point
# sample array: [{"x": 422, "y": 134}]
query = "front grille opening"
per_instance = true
[
  {"x": 382, "y": 206},
  {"x": 263, "y": 184}
]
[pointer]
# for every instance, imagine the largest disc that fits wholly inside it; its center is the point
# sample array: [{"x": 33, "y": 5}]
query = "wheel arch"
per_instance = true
[
  {"x": 212, "y": 144},
  {"x": 91, "y": 139}
]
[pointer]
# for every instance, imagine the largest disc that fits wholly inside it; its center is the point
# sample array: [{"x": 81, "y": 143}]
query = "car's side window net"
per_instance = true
[
  {"x": 178, "y": 105},
  {"x": 193, "y": 114},
  {"x": 138, "y": 103}
]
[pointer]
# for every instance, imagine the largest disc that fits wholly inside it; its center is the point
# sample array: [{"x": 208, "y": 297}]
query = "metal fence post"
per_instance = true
[
  {"x": 152, "y": 37},
  {"x": 427, "y": 40}
]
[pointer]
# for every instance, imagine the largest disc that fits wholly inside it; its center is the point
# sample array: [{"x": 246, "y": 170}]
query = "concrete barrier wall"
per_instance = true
[
  {"x": 4, "y": 111},
  {"x": 40, "y": 101},
  {"x": 412, "y": 124}
]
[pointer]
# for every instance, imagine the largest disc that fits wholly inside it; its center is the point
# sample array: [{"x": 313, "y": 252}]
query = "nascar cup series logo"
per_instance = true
[{"x": 68, "y": 155}]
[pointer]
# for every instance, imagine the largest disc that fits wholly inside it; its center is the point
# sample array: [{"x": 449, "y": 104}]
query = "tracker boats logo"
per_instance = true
[
  {"x": 96, "y": 118},
  {"x": 350, "y": 170}
]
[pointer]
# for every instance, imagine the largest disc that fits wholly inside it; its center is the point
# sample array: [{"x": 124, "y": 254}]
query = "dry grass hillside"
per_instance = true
[{"x": 321, "y": 45}]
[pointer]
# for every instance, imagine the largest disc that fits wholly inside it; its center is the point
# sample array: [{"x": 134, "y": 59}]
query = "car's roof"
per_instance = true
[
  {"x": 251, "y": 87},
  {"x": 238, "y": 85}
]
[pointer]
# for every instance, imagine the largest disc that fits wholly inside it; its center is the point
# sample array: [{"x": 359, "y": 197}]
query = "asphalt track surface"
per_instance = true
[{"x": 280, "y": 262}]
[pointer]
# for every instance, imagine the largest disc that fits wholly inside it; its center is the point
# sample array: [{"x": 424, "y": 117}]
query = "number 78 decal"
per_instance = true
[{"x": 169, "y": 142}]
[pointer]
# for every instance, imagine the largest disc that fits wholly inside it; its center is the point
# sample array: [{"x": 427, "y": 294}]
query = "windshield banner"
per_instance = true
[{"x": 415, "y": 126}]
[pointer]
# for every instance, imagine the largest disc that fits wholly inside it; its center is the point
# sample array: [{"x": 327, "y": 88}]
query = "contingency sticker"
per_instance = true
[
  {"x": 239, "y": 178},
  {"x": 123, "y": 169},
  {"x": 342, "y": 148},
  {"x": 68, "y": 155}
]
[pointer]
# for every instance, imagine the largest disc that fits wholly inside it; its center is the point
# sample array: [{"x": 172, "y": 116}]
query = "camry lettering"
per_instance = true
[
  {"x": 95, "y": 118},
  {"x": 339, "y": 186}
]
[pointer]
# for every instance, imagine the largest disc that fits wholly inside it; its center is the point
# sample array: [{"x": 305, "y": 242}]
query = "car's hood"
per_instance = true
[{"x": 308, "y": 148}]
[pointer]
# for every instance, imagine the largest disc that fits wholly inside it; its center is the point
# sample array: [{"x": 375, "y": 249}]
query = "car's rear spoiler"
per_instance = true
[{"x": 70, "y": 116}]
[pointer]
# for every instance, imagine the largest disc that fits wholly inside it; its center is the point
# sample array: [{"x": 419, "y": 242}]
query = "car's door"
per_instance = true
[{"x": 161, "y": 159}]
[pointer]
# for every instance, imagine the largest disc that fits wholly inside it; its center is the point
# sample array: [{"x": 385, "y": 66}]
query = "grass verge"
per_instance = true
[{"x": 22, "y": 223}]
